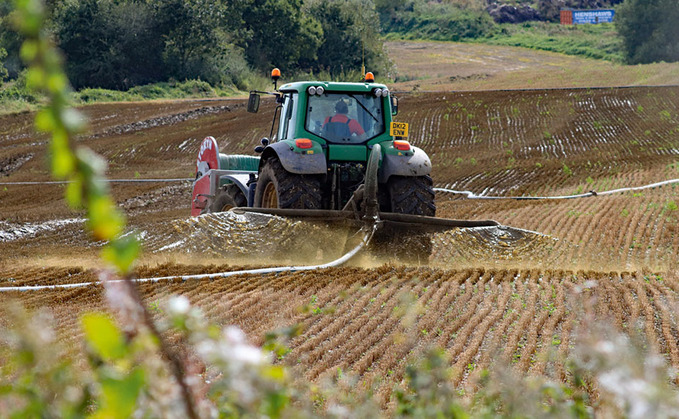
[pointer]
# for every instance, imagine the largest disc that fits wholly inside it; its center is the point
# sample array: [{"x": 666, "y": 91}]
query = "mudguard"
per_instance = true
[
  {"x": 295, "y": 162},
  {"x": 418, "y": 164}
]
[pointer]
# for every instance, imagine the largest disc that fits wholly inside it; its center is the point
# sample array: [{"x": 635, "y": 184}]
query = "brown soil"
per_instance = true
[{"x": 484, "y": 298}]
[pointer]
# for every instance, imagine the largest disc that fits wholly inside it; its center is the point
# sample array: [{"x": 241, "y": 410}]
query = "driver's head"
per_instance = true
[{"x": 341, "y": 107}]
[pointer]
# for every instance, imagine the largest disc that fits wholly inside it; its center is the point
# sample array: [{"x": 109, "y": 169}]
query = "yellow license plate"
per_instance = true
[{"x": 398, "y": 129}]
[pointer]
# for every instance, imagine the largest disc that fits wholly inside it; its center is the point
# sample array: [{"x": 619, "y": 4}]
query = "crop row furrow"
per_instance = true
[{"x": 466, "y": 357}]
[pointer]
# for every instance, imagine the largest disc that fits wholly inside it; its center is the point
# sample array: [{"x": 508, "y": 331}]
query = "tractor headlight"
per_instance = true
[
  {"x": 311, "y": 90},
  {"x": 378, "y": 92},
  {"x": 320, "y": 90},
  {"x": 385, "y": 92}
]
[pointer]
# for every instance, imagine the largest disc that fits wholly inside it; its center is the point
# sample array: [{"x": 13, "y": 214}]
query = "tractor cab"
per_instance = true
[{"x": 330, "y": 112}]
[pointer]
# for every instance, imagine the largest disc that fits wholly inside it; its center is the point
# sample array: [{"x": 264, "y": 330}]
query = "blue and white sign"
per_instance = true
[{"x": 581, "y": 17}]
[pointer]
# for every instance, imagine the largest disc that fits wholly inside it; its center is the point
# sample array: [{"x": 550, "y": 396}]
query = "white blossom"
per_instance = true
[{"x": 179, "y": 305}]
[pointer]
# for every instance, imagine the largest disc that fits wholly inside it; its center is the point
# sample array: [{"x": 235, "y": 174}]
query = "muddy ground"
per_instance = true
[{"x": 542, "y": 142}]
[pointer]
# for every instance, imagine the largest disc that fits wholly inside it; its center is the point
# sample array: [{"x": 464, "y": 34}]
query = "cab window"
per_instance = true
[
  {"x": 346, "y": 118},
  {"x": 286, "y": 128}
]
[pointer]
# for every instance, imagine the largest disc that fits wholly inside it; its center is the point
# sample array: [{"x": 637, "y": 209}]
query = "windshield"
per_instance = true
[{"x": 347, "y": 118}]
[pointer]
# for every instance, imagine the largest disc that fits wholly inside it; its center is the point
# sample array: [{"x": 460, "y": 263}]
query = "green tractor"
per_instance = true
[
  {"x": 336, "y": 156},
  {"x": 324, "y": 137}
]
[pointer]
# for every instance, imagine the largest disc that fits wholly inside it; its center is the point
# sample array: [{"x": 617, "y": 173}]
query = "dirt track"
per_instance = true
[{"x": 480, "y": 304}]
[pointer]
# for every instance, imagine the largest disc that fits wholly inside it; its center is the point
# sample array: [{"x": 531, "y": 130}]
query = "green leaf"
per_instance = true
[
  {"x": 63, "y": 161},
  {"x": 274, "y": 403},
  {"x": 35, "y": 78},
  {"x": 122, "y": 253},
  {"x": 103, "y": 336},
  {"x": 30, "y": 18},
  {"x": 44, "y": 121},
  {"x": 74, "y": 192},
  {"x": 105, "y": 220},
  {"x": 29, "y": 50},
  {"x": 275, "y": 373},
  {"x": 119, "y": 396}
]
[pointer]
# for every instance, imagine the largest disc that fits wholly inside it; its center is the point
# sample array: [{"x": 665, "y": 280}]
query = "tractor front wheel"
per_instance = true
[{"x": 278, "y": 188}]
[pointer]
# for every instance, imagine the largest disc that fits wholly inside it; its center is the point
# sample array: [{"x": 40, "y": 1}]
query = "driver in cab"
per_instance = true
[{"x": 340, "y": 125}]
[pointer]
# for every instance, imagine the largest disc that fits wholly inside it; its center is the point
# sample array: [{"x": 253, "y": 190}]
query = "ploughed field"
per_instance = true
[{"x": 484, "y": 296}]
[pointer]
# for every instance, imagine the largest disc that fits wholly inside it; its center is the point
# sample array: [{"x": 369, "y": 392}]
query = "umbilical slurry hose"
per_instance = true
[
  {"x": 367, "y": 236},
  {"x": 471, "y": 195}
]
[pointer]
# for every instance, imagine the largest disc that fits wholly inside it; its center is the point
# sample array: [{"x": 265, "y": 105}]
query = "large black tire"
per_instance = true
[
  {"x": 411, "y": 195},
  {"x": 229, "y": 196},
  {"x": 408, "y": 195},
  {"x": 278, "y": 188}
]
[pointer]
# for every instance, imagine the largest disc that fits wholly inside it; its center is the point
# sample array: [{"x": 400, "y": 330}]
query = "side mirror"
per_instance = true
[
  {"x": 253, "y": 102},
  {"x": 394, "y": 105}
]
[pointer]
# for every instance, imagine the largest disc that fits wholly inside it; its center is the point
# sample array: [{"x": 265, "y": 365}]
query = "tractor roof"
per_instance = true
[{"x": 332, "y": 86}]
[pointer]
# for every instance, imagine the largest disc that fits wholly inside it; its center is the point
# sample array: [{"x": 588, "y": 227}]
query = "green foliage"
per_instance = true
[
  {"x": 15, "y": 96},
  {"x": 439, "y": 21},
  {"x": 280, "y": 34},
  {"x": 197, "y": 38},
  {"x": 120, "y": 44},
  {"x": 649, "y": 30},
  {"x": 389, "y": 7},
  {"x": 104, "y": 337},
  {"x": 457, "y": 22},
  {"x": 120, "y": 381},
  {"x": 116, "y": 44},
  {"x": 350, "y": 36},
  {"x": 429, "y": 393},
  {"x": 163, "y": 90},
  {"x": 12, "y": 102},
  {"x": 592, "y": 41},
  {"x": 3, "y": 70},
  {"x": 10, "y": 41},
  {"x": 109, "y": 44},
  {"x": 670, "y": 206},
  {"x": 90, "y": 95}
]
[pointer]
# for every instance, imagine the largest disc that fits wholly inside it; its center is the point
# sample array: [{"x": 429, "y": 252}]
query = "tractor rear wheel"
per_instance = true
[
  {"x": 278, "y": 188},
  {"x": 410, "y": 195},
  {"x": 230, "y": 196}
]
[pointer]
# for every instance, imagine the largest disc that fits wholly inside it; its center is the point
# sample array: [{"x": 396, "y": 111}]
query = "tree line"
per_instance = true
[{"x": 118, "y": 44}]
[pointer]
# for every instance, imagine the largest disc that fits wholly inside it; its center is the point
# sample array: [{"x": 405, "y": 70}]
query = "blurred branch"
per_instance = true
[{"x": 82, "y": 167}]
